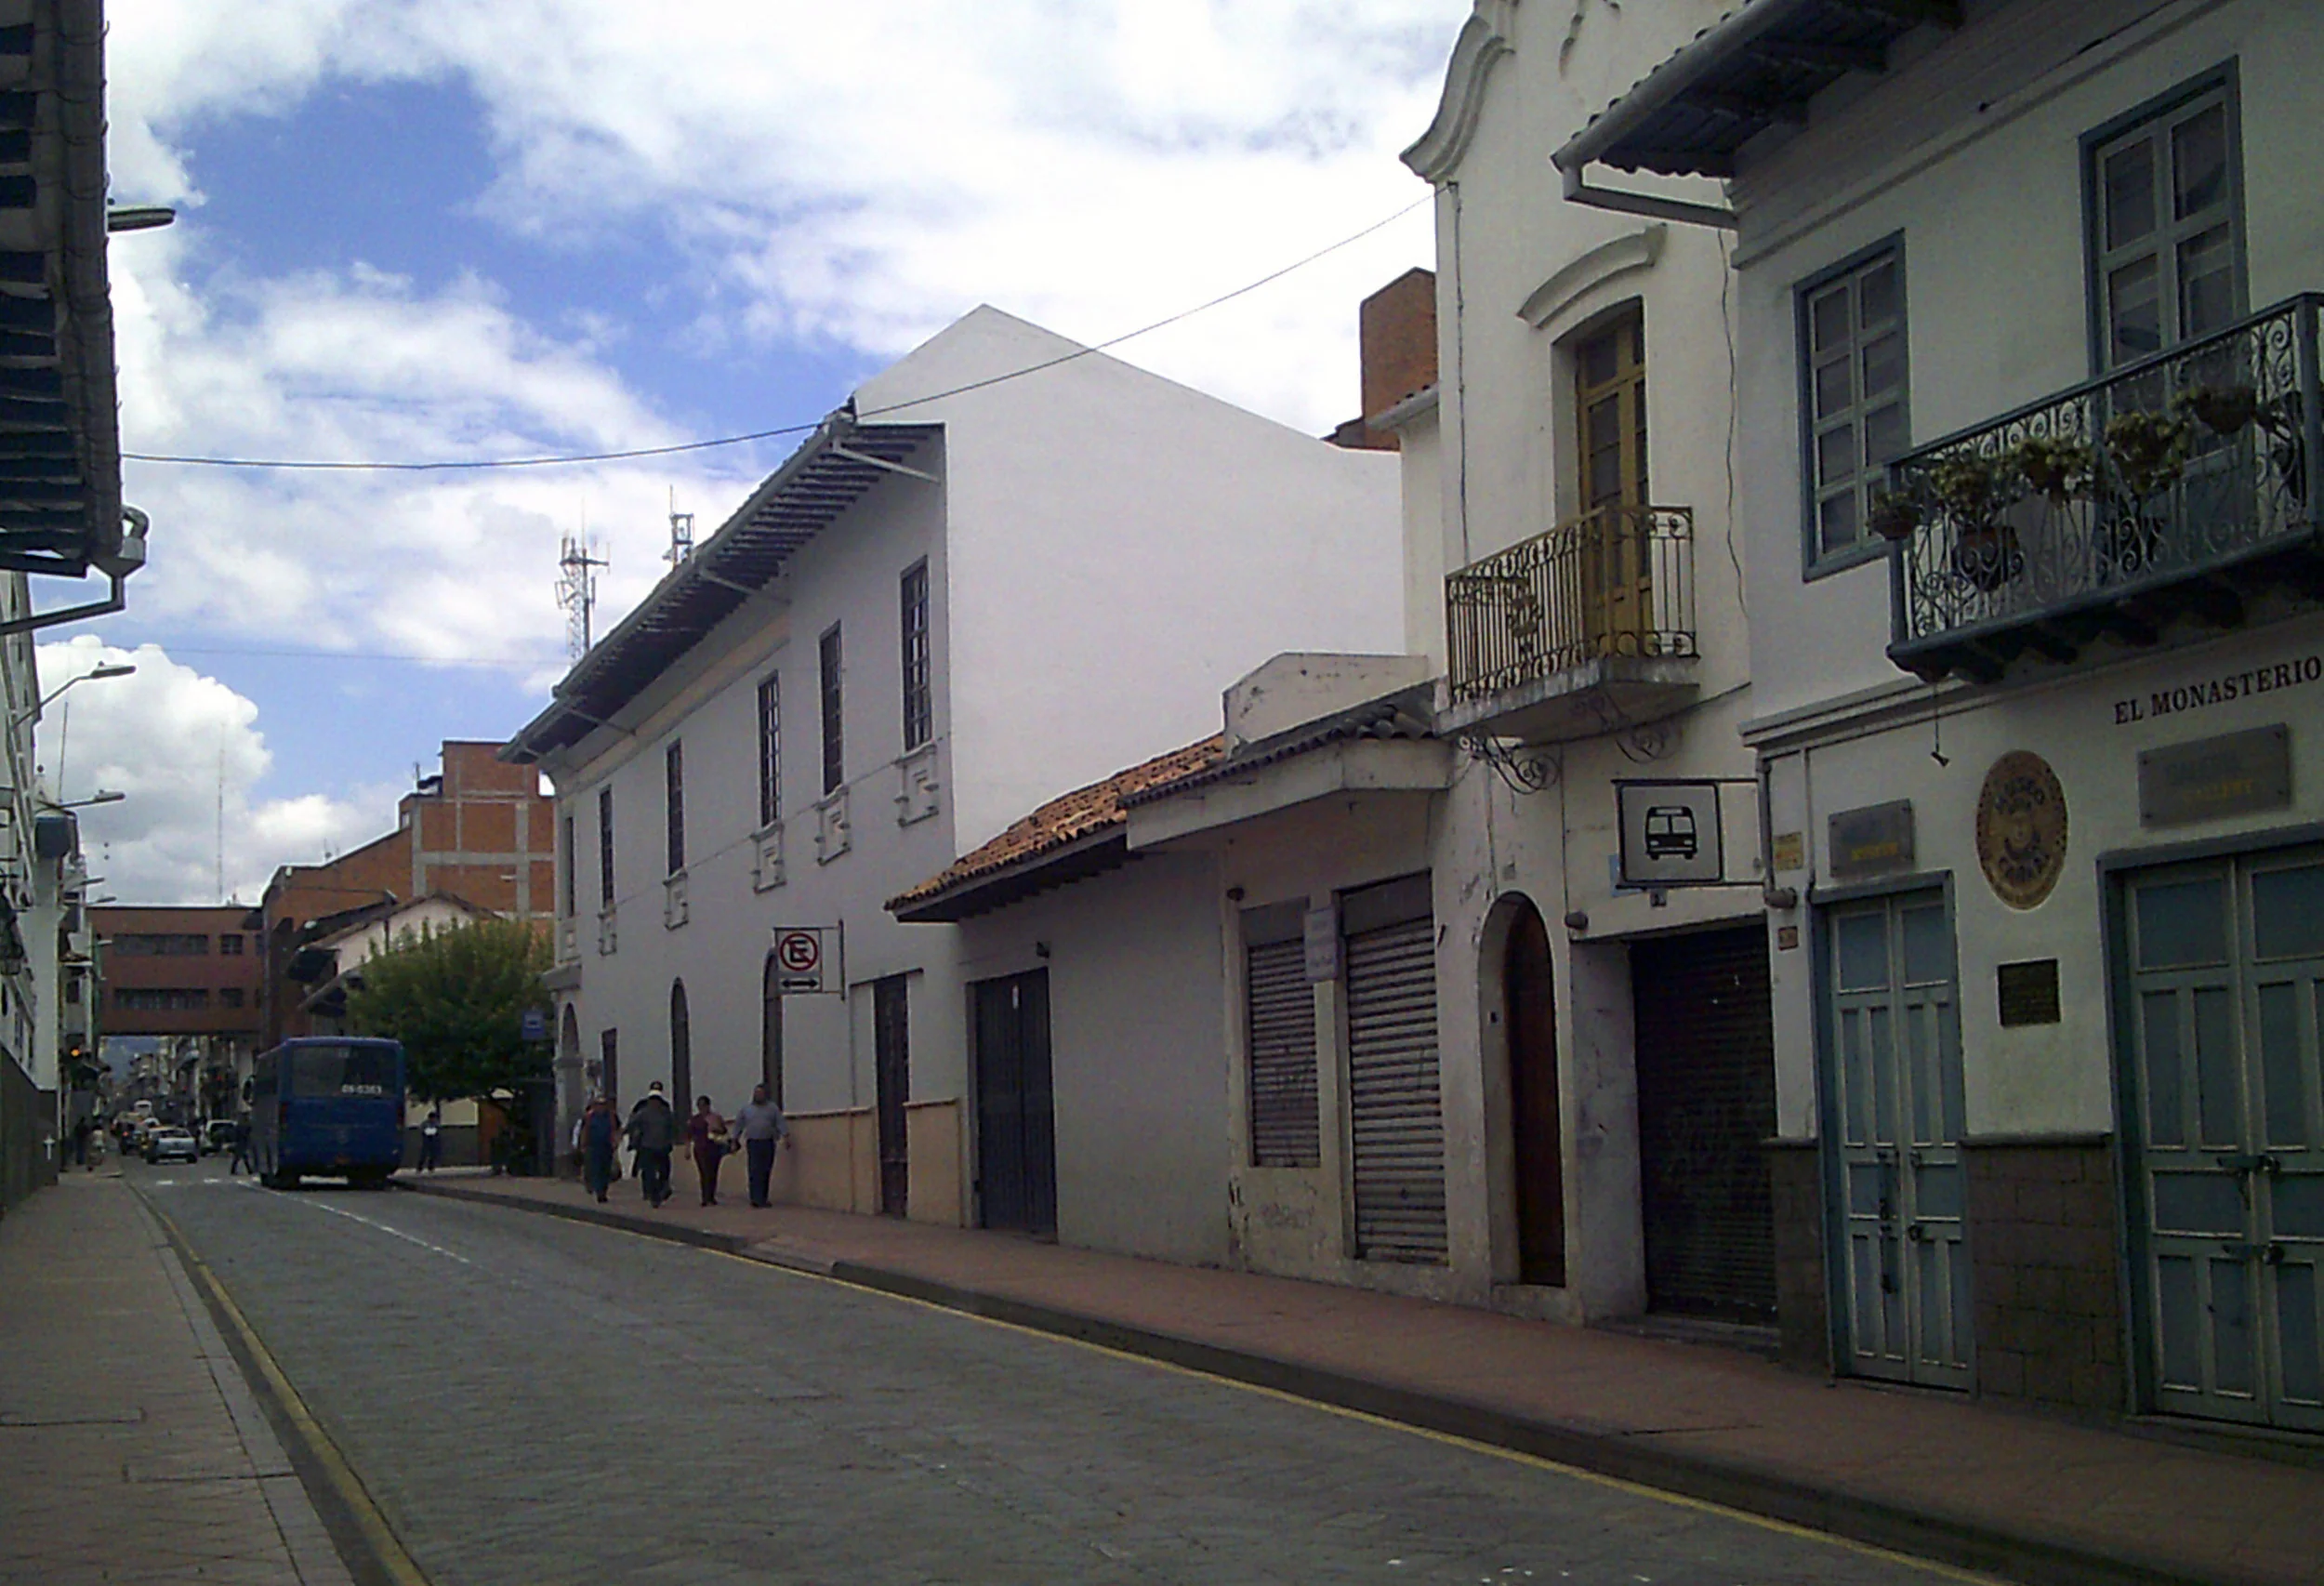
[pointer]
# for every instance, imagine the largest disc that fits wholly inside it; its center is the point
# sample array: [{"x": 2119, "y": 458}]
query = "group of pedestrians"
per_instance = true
[{"x": 654, "y": 1132}]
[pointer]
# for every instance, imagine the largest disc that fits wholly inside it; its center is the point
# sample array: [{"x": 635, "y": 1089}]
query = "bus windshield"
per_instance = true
[{"x": 342, "y": 1071}]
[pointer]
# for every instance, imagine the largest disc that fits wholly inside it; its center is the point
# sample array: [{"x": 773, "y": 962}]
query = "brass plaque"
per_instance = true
[
  {"x": 1875, "y": 840},
  {"x": 2021, "y": 829},
  {"x": 2028, "y": 991},
  {"x": 2205, "y": 779}
]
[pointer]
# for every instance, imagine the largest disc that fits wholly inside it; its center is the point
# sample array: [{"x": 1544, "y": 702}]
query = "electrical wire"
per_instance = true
[{"x": 674, "y": 448}]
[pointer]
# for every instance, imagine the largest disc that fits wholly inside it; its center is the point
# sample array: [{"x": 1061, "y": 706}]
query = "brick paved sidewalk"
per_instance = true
[
  {"x": 130, "y": 1447},
  {"x": 2024, "y": 1494}
]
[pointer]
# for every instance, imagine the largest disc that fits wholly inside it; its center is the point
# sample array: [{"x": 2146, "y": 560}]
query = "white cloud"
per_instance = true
[
  {"x": 842, "y": 179},
  {"x": 187, "y": 751}
]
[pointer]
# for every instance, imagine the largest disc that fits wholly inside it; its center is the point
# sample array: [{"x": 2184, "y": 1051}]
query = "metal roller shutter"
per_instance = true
[
  {"x": 1706, "y": 1059},
  {"x": 1284, "y": 1132},
  {"x": 1396, "y": 1109}
]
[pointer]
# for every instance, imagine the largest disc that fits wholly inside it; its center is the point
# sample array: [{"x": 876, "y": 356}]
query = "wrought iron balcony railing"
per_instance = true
[
  {"x": 2179, "y": 485},
  {"x": 1614, "y": 582}
]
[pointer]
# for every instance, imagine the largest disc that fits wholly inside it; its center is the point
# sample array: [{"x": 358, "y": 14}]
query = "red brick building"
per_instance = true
[
  {"x": 479, "y": 830},
  {"x": 187, "y": 975}
]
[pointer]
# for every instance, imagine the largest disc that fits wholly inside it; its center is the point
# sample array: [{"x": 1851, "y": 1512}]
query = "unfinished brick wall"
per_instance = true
[{"x": 2044, "y": 1242}]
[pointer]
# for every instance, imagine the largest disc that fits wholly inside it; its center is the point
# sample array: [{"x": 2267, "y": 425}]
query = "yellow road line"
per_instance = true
[
  {"x": 1515, "y": 1456},
  {"x": 350, "y": 1488}
]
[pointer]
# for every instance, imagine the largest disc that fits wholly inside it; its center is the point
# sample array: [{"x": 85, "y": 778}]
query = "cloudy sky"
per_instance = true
[{"x": 463, "y": 229}]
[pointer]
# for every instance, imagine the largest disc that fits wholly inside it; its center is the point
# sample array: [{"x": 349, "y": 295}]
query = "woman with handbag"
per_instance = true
[{"x": 706, "y": 1132}]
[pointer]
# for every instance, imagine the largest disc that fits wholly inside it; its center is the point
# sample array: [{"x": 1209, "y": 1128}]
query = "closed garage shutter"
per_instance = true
[
  {"x": 1396, "y": 1109},
  {"x": 1284, "y": 1132},
  {"x": 1706, "y": 1059}
]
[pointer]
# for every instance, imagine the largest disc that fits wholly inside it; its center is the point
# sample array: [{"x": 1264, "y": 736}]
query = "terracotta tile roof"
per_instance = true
[{"x": 1064, "y": 821}]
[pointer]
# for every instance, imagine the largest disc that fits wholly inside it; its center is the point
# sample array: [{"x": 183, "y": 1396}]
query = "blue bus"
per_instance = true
[{"x": 327, "y": 1104}]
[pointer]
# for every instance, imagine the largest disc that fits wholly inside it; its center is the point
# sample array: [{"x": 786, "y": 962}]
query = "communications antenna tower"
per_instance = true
[
  {"x": 681, "y": 533},
  {"x": 576, "y": 590}
]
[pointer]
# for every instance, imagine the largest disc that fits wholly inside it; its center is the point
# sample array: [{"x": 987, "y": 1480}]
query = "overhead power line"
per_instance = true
[{"x": 629, "y": 454}]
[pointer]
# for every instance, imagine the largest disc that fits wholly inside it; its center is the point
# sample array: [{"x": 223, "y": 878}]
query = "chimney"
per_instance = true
[{"x": 1399, "y": 342}]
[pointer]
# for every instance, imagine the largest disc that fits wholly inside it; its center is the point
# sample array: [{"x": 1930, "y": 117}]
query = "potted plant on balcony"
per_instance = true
[
  {"x": 2147, "y": 453},
  {"x": 1893, "y": 516},
  {"x": 1971, "y": 489},
  {"x": 2055, "y": 467},
  {"x": 2223, "y": 409}
]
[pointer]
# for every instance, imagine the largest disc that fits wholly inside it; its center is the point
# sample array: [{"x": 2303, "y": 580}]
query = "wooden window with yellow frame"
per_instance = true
[{"x": 1610, "y": 407}]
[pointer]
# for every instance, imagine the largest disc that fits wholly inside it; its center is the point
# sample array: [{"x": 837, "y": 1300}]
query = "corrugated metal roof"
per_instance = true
[
  {"x": 1756, "y": 67},
  {"x": 59, "y": 429},
  {"x": 828, "y": 473}
]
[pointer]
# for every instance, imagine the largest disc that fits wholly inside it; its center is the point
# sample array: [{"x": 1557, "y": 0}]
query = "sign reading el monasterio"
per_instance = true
[{"x": 2224, "y": 689}]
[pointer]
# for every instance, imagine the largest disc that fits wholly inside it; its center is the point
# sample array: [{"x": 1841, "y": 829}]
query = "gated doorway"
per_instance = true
[
  {"x": 1016, "y": 1126},
  {"x": 2225, "y": 991},
  {"x": 892, "y": 1083},
  {"x": 1529, "y": 1012},
  {"x": 1706, "y": 1066},
  {"x": 1893, "y": 1106},
  {"x": 1396, "y": 1103}
]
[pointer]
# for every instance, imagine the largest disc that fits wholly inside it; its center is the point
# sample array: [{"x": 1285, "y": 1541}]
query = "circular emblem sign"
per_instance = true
[{"x": 2021, "y": 829}]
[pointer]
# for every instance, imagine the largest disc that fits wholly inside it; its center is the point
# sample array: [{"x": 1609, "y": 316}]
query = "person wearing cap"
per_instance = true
[{"x": 652, "y": 1134}]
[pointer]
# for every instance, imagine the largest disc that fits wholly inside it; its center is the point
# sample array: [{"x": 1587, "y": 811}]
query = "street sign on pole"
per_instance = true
[
  {"x": 1670, "y": 834},
  {"x": 535, "y": 1026},
  {"x": 807, "y": 960}
]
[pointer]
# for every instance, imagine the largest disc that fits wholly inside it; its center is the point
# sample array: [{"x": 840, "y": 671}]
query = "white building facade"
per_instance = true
[
  {"x": 2029, "y": 467},
  {"x": 1008, "y": 567}
]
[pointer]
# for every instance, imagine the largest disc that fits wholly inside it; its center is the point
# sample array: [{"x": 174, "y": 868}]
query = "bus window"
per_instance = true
[{"x": 344, "y": 1071}]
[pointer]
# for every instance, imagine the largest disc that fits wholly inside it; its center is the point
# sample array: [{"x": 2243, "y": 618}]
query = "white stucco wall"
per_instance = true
[
  {"x": 1121, "y": 549},
  {"x": 1972, "y": 156},
  {"x": 1137, "y": 1056}
]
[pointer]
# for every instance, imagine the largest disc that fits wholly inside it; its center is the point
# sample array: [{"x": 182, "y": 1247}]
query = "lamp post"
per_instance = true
[{"x": 112, "y": 669}]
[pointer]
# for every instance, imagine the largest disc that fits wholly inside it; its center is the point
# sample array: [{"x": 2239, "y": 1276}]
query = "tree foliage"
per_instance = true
[{"x": 457, "y": 998}]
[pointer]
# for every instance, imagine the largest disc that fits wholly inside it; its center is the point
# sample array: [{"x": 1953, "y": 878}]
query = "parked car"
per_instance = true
[
  {"x": 171, "y": 1144},
  {"x": 217, "y": 1137}
]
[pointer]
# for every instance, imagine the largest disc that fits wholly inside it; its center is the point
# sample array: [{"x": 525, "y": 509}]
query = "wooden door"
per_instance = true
[
  {"x": 892, "y": 1080},
  {"x": 1610, "y": 398},
  {"x": 1529, "y": 995}
]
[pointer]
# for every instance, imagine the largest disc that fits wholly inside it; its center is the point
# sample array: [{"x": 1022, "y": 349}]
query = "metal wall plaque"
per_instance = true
[
  {"x": 2021, "y": 829},
  {"x": 1670, "y": 834},
  {"x": 2206, "y": 779},
  {"x": 1875, "y": 840},
  {"x": 1790, "y": 850},
  {"x": 2028, "y": 991}
]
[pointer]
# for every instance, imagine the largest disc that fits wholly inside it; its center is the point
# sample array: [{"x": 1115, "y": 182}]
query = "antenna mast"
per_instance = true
[
  {"x": 681, "y": 533},
  {"x": 576, "y": 590}
]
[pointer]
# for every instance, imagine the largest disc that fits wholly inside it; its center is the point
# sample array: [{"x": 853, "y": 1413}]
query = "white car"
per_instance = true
[{"x": 171, "y": 1144}]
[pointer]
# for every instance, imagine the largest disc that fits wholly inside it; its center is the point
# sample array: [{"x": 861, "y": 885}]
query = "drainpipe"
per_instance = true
[{"x": 118, "y": 565}]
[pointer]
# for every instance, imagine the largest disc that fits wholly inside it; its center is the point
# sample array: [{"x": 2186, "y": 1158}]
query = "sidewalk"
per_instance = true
[
  {"x": 130, "y": 1447},
  {"x": 2021, "y": 1494}
]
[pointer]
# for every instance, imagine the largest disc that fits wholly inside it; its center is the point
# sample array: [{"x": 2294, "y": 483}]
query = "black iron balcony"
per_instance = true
[
  {"x": 2184, "y": 486},
  {"x": 1581, "y": 630}
]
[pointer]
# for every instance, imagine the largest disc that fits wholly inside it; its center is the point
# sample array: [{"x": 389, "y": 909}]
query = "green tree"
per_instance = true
[{"x": 457, "y": 998}]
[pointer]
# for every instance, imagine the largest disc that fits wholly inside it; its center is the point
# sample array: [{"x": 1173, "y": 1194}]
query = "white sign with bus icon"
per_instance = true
[{"x": 1670, "y": 835}]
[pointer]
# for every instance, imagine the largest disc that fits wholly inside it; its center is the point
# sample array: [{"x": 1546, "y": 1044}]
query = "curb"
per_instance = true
[{"x": 1962, "y": 1541}]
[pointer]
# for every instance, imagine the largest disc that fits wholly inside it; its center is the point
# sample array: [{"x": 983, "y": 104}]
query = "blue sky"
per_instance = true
[{"x": 464, "y": 230}]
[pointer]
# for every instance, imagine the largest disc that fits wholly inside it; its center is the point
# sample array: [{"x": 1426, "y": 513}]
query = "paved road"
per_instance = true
[{"x": 531, "y": 1400}]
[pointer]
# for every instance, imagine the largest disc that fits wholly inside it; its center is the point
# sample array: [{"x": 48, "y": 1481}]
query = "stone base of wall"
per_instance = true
[
  {"x": 1803, "y": 1299},
  {"x": 2043, "y": 1237}
]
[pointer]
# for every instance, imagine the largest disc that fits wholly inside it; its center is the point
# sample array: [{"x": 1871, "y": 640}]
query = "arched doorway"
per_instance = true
[
  {"x": 1529, "y": 997},
  {"x": 681, "y": 1052},
  {"x": 771, "y": 1030}
]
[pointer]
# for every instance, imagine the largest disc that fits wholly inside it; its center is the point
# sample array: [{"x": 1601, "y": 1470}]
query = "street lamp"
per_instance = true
[
  {"x": 112, "y": 669},
  {"x": 103, "y": 796}
]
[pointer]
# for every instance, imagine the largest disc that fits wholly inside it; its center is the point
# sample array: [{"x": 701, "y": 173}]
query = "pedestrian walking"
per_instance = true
[
  {"x": 761, "y": 1128},
  {"x": 241, "y": 1158},
  {"x": 81, "y": 1130},
  {"x": 600, "y": 1131},
  {"x": 705, "y": 1132},
  {"x": 431, "y": 1139},
  {"x": 652, "y": 1134}
]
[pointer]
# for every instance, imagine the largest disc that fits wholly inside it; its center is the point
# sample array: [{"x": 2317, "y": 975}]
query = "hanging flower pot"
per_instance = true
[
  {"x": 1894, "y": 517},
  {"x": 2223, "y": 410},
  {"x": 2054, "y": 466},
  {"x": 2148, "y": 450}
]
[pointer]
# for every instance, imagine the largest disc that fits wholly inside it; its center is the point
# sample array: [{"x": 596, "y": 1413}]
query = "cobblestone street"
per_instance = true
[{"x": 531, "y": 1400}]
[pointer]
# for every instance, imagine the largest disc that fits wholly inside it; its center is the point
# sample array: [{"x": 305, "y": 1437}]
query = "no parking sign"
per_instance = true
[{"x": 807, "y": 960}]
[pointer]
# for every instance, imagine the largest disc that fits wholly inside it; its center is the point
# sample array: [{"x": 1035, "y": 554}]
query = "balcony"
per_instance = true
[
  {"x": 2179, "y": 488},
  {"x": 1586, "y": 629}
]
